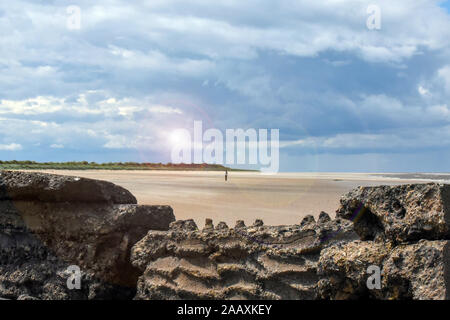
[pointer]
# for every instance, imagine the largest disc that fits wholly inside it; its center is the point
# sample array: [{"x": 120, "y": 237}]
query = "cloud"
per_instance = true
[
  {"x": 85, "y": 104},
  {"x": 136, "y": 71},
  {"x": 164, "y": 109},
  {"x": 10, "y": 147},
  {"x": 31, "y": 106},
  {"x": 444, "y": 76},
  {"x": 423, "y": 91},
  {"x": 409, "y": 140}
]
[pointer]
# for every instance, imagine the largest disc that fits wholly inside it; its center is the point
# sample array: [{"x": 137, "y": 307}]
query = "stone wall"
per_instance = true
[
  {"x": 50, "y": 222},
  {"x": 125, "y": 250},
  {"x": 405, "y": 232},
  {"x": 256, "y": 262}
]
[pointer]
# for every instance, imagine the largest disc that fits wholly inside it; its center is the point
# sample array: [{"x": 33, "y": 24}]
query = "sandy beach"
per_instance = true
[{"x": 277, "y": 199}]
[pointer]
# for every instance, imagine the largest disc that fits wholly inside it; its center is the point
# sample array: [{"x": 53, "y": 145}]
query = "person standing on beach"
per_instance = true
[{"x": 226, "y": 175}]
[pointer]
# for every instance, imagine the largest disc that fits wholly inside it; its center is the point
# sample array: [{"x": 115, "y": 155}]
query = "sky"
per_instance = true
[{"x": 344, "y": 97}]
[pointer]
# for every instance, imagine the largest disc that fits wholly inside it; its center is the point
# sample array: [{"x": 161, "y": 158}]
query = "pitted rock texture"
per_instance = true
[
  {"x": 257, "y": 262},
  {"x": 29, "y": 269},
  {"x": 39, "y": 239},
  {"x": 399, "y": 213},
  {"x": 44, "y": 187},
  {"x": 343, "y": 267},
  {"x": 419, "y": 271},
  {"x": 96, "y": 237},
  {"x": 404, "y": 232}
]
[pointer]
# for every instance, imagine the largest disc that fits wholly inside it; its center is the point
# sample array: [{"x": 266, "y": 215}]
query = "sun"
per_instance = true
[{"x": 180, "y": 137}]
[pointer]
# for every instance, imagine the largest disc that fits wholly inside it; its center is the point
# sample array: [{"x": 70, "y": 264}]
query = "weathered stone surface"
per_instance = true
[
  {"x": 258, "y": 223},
  {"x": 239, "y": 224},
  {"x": 209, "y": 224},
  {"x": 32, "y": 186},
  {"x": 29, "y": 268},
  {"x": 399, "y": 213},
  {"x": 419, "y": 271},
  {"x": 183, "y": 225},
  {"x": 221, "y": 225},
  {"x": 26, "y": 297},
  {"x": 39, "y": 240},
  {"x": 410, "y": 228},
  {"x": 258, "y": 262},
  {"x": 307, "y": 220},
  {"x": 342, "y": 269},
  {"x": 94, "y": 236},
  {"x": 323, "y": 217}
]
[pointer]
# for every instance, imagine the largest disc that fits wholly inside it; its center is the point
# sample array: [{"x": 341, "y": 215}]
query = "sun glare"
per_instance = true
[{"x": 179, "y": 138}]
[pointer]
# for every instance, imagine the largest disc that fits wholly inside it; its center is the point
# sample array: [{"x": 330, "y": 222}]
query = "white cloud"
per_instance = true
[
  {"x": 85, "y": 105},
  {"x": 409, "y": 139},
  {"x": 440, "y": 111},
  {"x": 221, "y": 29},
  {"x": 444, "y": 75},
  {"x": 31, "y": 106},
  {"x": 423, "y": 91},
  {"x": 164, "y": 109},
  {"x": 158, "y": 61},
  {"x": 10, "y": 147},
  {"x": 118, "y": 123}
]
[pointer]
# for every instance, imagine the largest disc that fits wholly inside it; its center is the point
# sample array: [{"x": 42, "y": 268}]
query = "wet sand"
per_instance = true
[{"x": 277, "y": 199}]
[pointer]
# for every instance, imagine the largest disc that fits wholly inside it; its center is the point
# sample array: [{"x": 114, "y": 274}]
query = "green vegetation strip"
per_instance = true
[{"x": 84, "y": 165}]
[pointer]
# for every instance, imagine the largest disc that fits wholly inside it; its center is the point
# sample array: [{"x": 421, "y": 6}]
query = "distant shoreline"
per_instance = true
[{"x": 84, "y": 165}]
